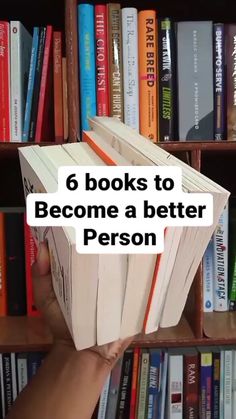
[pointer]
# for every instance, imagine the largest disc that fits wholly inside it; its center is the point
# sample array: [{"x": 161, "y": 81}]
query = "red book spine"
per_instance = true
[
  {"x": 102, "y": 60},
  {"x": 57, "y": 84},
  {"x": 4, "y": 82},
  {"x": 134, "y": 384},
  {"x": 43, "y": 120},
  {"x": 191, "y": 386},
  {"x": 30, "y": 257}
]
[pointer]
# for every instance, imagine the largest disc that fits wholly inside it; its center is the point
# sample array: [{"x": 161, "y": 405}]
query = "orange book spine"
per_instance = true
[
  {"x": 100, "y": 153},
  {"x": 147, "y": 44},
  {"x": 3, "y": 275},
  {"x": 57, "y": 84},
  {"x": 134, "y": 384}
]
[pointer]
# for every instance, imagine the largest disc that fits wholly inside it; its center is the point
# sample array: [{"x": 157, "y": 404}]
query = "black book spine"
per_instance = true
[
  {"x": 219, "y": 81},
  {"x": 37, "y": 82},
  {"x": 7, "y": 381},
  {"x": 123, "y": 405},
  {"x": 16, "y": 287},
  {"x": 167, "y": 80}
]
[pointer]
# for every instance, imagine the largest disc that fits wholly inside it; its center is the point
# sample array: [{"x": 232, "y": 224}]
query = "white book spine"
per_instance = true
[
  {"x": 175, "y": 390},
  {"x": 130, "y": 66},
  {"x": 22, "y": 372},
  {"x": 234, "y": 385},
  {"x": 103, "y": 399},
  {"x": 2, "y": 388},
  {"x": 208, "y": 277},
  {"x": 222, "y": 373},
  {"x": 228, "y": 376},
  {"x": 13, "y": 376},
  {"x": 220, "y": 238}
]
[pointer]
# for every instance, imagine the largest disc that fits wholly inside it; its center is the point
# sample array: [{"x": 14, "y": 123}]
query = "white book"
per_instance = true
[
  {"x": 13, "y": 376},
  {"x": 21, "y": 43},
  {"x": 130, "y": 66},
  {"x": 220, "y": 239},
  {"x": 22, "y": 378},
  {"x": 103, "y": 399},
  {"x": 175, "y": 386},
  {"x": 228, "y": 378},
  {"x": 2, "y": 388},
  {"x": 208, "y": 277}
]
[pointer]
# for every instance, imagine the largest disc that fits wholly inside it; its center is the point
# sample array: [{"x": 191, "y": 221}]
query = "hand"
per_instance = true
[{"x": 46, "y": 302}]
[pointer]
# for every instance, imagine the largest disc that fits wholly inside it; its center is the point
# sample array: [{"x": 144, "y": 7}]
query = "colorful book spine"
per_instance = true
[
  {"x": 206, "y": 385},
  {"x": 87, "y": 63},
  {"x": 216, "y": 386},
  {"x": 175, "y": 386},
  {"x": 143, "y": 385},
  {"x": 147, "y": 45},
  {"x": 58, "y": 86},
  {"x": 230, "y": 57},
  {"x": 30, "y": 257},
  {"x": 114, "y": 390},
  {"x": 130, "y": 66},
  {"x": 228, "y": 375},
  {"x": 220, "y": 238},
  {"x": 115, "y": 61},
  {"x": 31, "y": 79},
  {"x": 3, "y": 274},
  {"x": 153, "y": 383},
  {"x": 102, "y": 60},
  {"x": 195, "y": 80},
  {"x": 103, "y": 399},
  {"x": 5, "y": 121},
  {"x": 123, "y": 406},
  {"x": 232, "y": 256},
  {"x": 65, "y": 99},
  {"x": 134, "y": 384},
  {"x": 191, "y": 385},
  {"x": 208, "y": 277},
  {"x": 219, "y": 81},
  {"x": 167, "y": 80}
]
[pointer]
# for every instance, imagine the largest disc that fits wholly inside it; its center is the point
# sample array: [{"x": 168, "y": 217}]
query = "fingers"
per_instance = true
[{"x": 42, "y": 265}]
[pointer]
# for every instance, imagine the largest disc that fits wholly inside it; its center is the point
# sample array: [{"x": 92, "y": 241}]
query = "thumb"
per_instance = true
[{"x": 42, "y": 265}]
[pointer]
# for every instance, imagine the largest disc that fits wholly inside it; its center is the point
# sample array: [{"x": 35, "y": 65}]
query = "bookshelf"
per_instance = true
[{"x": 216, "y": 160}]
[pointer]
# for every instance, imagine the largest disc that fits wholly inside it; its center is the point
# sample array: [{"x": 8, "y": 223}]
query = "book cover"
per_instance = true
[
  {"x": 116, "y": 92},
  {"x": 16, "y": 288},
  {"x": 114, "y": 390},
  {"x": 130, "y": 66},
  {"x": 65, "y": 99},
  {"x": 58, "y": 86},
  {"x": 147, "y": 46},
  {"x": 31, "y": 79},
  {"x": 143, "y": 384},
  {"x": 154, "y": 383},
  {"x": 219, "y": 81},
  {"x": 216, "y": 385},
  {"x": 191, "y": 384},
  {"x": 22, "y": 373},
  {"x": 21, "y": 44},
  {"x": 206, "y": 385},
  {"x": 37, "y": 83},
  {"x": 220, "y": 239},
  {"x": 195, "y": 80},
  {"x": 102, "y": 60},
  {"x": 134, "y": 384},
  {"x": 230, "y": 57},
  {"x": 123, "y": 406},
  {"x": 208, "y": 277},
  {"x": 232, "y": 255},
  {"x": 5, "y": 121},
  {"x": 30, "y": 257},
  {"x": 167, "y": 80},
  {"x": 86, "y": 63},
  {"x": 72, "y": 62},
  {"x": 3, "y": 274}
]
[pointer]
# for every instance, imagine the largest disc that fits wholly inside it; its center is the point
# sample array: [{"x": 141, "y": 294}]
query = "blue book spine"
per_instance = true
[
  {"x": 206, "y": 385},
  {"x": 153, "y": 384},
  {"x": 34, "y": 361},
  {"x": 30, "y": 89},
  {"x": 87, "y": 63},
  {"x": 219, "y": 81}
]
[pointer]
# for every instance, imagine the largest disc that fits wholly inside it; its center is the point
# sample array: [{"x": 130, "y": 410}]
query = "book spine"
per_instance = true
[
  {"x": 71, "y": 35},
  {"x": 16, "y": 110},
  {"x": 58, "y": 86},
  {"x": 230, "y": 57},
  {"x": 16, "y": 290},
  {"x": 222, "y": 374},
  {"x": 34, "y": 361},
  {"x": 234, "y": 385},
  {"x": 44, "y": 92},
  {"x": 30, "y": 257},
  {"x": 65, "y": 99},
  {"x": 220, "y": 238},
  {"x": 228, "y": 375},
  {"x": 123, "y": 405},
  {"x": 102, "y": 60},
  {"x": 206, "y": 386},
  {"x": 114, "y": 390},
  {"x": 5, "y": 122},
  {"x": 87, "y": 63},
  {"x": 191, "y": 386},
  {"x": 147, "y": 46},
  {"x": 7, "y": 381},
  {"x": 22, "y": 375},
  {"x": 103, "y": 399},
  {"x": 116, "y": 94},
  {"x": 38, "y": 74},
  {"x": 2, "y": 393},
  {"x": 134, "y": 384},
  {"x": 153, "y": 384},
  {"x": 216, "y": 385},
  {"x": 130, "y": 66},
  {"x": 32, "y": 69},
  {"x": 195, "y": 81},
  {"x": 163, "y": 385},
  {"x": 232, "y": 258},
  {"x": 208, "y": 277},
  {"x": 3, "y": 274},
  {"x": 13, "y": 376},
  {"x": 167, "y": 80},
  {"x": 175, "y": 383},
  {"x": 143, "y": 385},
  {"x": 219, "y": 80}
]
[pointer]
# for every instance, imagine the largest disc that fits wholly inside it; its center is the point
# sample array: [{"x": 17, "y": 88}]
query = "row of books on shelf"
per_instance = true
[
  {"x": 185, "y": 383},
  {"x": 33, "y": 84},
  {"x": 16, "y": 370},
  {"x": 163, "y": 78},
  {"x": 17, "y": 254}
]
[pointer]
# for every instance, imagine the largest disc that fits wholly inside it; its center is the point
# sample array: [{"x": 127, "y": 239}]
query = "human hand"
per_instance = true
[{"x": 46, "y": 302}]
